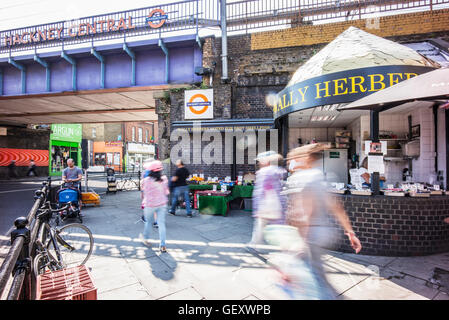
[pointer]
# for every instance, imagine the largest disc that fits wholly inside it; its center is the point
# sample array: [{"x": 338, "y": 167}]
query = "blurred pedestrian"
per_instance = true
[
  {"x": 12, "y": 169},
  {"x": 309, "y": 207},
  {"x": 155, "y": 192},
  {"x": 146, "y": 173},
  {"x": 180, "y": 187},
  {"x": 32, "y": 169},
  {"x": 268, "y": 205}
]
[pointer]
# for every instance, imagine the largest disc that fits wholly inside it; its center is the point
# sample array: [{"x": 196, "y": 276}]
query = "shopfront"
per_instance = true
[
  {"x": 136, "y": 154},
  {"x": 65, "y": 143},
  {"x": 404, "y": 146},
  {"x": 108, "y": 154}
]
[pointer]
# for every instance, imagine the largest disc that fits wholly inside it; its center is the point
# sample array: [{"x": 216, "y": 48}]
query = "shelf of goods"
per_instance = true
[{"x": 342, "y": 139}]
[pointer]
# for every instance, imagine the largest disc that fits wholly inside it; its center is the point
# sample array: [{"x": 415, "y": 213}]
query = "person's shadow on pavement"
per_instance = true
[{"x": 163, "y": 265}]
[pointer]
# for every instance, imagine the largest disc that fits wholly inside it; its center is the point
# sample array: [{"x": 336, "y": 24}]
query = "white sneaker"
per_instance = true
[{"x": 146, "y": 242}]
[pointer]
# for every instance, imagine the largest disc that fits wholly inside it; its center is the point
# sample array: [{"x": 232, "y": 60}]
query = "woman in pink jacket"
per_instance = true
[{"x": 155, "y": 198}]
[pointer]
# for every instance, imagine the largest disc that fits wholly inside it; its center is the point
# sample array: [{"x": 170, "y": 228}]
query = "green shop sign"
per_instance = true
[
  {"x": 66, "y": 132},
  {"x": 341, "y": 87}
]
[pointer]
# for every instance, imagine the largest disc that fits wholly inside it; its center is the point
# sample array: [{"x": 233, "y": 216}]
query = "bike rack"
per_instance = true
[{"x": 18, "y": 259}]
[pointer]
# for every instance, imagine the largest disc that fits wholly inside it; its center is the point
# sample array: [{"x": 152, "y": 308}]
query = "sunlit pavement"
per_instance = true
[{"x": 206, "y": 259}]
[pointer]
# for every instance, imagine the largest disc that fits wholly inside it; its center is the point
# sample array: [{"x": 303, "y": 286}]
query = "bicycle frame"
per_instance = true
[{"x": 54, "y": 239}]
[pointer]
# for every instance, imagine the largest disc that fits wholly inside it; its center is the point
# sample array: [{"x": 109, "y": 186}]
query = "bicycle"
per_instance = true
[
  {"x": 127, "y": 183},
  {"x": 60, "y": 247}
]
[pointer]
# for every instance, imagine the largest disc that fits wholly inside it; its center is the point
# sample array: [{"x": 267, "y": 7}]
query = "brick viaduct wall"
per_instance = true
[
  {"x": 263, "y": 63},
  {"x": 390, "y": 26}
]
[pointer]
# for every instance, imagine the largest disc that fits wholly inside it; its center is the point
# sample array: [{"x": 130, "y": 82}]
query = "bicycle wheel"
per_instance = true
[{"x": 75, "y": 243}]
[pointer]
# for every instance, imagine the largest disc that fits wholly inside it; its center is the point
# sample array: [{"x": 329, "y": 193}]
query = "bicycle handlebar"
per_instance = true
[
  {"x": 61, "y": 209},
  {"x": 48, "y": 207}
]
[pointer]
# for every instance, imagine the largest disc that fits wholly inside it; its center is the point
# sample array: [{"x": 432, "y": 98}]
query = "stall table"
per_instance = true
[
  {"x": 195, "y": 188},
  {"x": 214, "y": 202},
  {"x": 243, "y": 192}
]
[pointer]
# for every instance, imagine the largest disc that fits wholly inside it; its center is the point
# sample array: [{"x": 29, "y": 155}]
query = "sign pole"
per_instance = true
[{"x": 374, "y": 128}]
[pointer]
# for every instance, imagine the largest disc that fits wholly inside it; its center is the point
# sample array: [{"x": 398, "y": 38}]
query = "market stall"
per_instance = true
[
  {"x": 380, "y": 102},
  {"x": 212, "y": 196}
]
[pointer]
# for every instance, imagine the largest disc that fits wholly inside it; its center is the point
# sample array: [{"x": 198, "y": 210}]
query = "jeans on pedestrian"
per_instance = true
[
  {"x": 184, "y": 190},
  {"x": 149, "y": 221}
]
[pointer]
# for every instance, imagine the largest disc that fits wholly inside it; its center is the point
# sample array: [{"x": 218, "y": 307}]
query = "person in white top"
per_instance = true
[
  {"x": 363, "y": 176},
  {"x": 363, "y": 172}
]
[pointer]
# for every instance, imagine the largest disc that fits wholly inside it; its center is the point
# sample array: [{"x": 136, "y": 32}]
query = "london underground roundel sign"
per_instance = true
[
  {"x": 198, "y": 104},
  {"x": 156, "y": 18}
]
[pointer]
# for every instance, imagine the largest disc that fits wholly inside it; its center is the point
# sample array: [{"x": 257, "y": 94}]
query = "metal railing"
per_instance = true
[
  {"x": 191, "y": 15},
  {"x": 256, "y": 14},
  {"x": 18, "y": 259},
  {"x": 182, "y": 15}
]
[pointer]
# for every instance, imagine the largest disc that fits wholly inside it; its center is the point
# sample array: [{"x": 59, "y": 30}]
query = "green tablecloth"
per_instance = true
[
  {"x": 214, "y": 204},
  {"x": 193, "y": 187},
  {"x": 242, "y": 191}
]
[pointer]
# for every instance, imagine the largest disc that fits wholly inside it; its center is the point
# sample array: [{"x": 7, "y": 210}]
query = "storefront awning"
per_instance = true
[{"x": 429, "y": 86}]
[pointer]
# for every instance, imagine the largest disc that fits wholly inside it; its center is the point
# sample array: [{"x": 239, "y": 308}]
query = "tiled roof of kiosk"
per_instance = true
[{"x": 355, "y": 48}]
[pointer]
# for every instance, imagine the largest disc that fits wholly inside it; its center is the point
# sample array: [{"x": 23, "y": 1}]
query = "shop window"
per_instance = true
[
  {"x": 117, "y": 158},
  {"x": 133, "y": 134},
  {"x": 60, "y": 155},
  {"x": 109, "y": 158},
  {"x": 146, "y": 136},
  {"x": 140, "y": 135},
  {"x": 100, "y": 159}
]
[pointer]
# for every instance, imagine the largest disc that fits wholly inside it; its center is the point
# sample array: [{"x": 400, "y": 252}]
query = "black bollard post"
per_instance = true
[{"x": 138, "y": 172}]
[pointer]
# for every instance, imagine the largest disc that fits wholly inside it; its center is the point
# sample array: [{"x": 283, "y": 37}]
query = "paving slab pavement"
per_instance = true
[{"x": 206, "y": 259}]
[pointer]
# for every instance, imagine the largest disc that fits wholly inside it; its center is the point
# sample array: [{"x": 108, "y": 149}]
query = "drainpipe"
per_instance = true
[
  {"x": 46, "y": 65},
  {"x": 224, "y": 42},
  {"x": 198, "y": 41},
  {"x": 73, "y": 63},
  {"x": 1, "y": 82},
  {"x": 102, "y": 61},
  {"x": 167, "y": 69},
  {"x": 22, "y": 69},
  {"x": 133, "y": 63}
]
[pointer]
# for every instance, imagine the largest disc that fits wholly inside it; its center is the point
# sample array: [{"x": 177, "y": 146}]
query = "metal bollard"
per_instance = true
[{"x": 139, "y": 178}]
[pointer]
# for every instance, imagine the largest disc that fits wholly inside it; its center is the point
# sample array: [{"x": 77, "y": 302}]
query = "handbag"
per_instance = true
[{"x": 270, "y": 206}]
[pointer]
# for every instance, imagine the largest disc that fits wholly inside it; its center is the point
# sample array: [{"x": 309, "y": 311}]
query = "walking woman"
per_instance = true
[
  {"x": 311, "y": 210},
  {"x": 268, "y": 205},
  {"x": 155, "y": 192}
]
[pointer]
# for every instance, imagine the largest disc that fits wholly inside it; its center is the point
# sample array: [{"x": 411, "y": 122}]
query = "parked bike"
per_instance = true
[{"x": 60, "y": 247}]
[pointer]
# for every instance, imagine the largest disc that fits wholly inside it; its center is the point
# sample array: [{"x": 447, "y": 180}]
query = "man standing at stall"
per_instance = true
[
  {"x": 72, "y": 176},
  {"x": 180, "y": 187}
]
